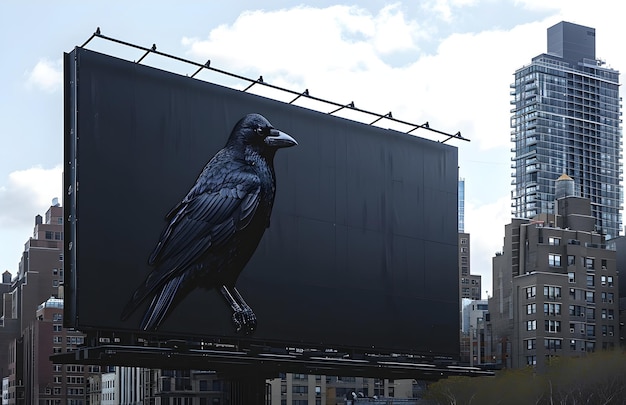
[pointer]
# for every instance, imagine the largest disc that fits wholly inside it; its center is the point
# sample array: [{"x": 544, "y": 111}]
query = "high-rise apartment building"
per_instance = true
[
  {"x": 555, "y": 287},
  {"x": 565, "y": 118}
]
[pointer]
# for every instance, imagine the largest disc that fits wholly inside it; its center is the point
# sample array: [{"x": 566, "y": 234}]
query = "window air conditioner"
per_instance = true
[
  {"x": 571, "y": 330},
  {"x": 610, "y": 333}
]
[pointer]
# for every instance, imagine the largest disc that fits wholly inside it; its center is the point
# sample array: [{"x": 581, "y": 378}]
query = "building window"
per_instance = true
[
  {"x": 571, "y": 277},
  {"x": 572, "y": 344},
  {"x": 554, "y": 260},
  {"x": 531, "y": 325},
  {"x": 572, "y": 293},
  {"x": 554, "y": 241},
  {"x": 531, "y": 360},
  {"x": 552, "y": 292},
  {"x": 300, "y": 389},
  {"x": 590, "y": 280},
  {"x": 531, "y": 308},
  {"x": 571, "y": 260},
  {"x": 552, "y": 309},
  {"x": 530, "y": 344},
  {"x": 590, "y": 263},
  {"x": 552, "y": 326},
  {"x": 531, "y": 292},
  {"x": 552, "y": 344},
  {"x": 590, "y": 297},
  {"x": 609, "y": 281}
]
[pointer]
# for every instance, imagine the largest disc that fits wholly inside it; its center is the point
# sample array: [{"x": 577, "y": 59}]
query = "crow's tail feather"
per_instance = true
[{"x": 161, "y": 303}]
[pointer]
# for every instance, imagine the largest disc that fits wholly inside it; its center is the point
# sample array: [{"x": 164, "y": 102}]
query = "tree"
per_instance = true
[{"x": 598, "y": 378}]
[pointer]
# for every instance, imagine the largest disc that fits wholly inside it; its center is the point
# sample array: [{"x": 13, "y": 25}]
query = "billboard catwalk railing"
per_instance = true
[{"x": 260, "y": 81}]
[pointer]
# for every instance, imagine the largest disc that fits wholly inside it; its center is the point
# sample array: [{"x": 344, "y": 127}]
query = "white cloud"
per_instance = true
[
  {"x": 464, "y": 86},
  {"x": 393, "y": 33},
  {"x": 28, "y": 192},
  {"x": 46, "y": 75}
]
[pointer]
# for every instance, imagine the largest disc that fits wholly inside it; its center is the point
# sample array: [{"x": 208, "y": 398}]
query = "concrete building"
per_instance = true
[
  {"x": 555, "y": 286},
  {"x": 39, "y": 275},
  {"x": 32, "y": 324},
  {"x": 469, "y": 284},
  {"x": 474, "y": 348},
  {"x": 566, "y": 118},
  {"x": 619, "y": 245},
  {"x": 292, "y": 388}
]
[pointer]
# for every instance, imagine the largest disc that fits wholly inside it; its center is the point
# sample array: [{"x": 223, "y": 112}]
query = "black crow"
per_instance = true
[{"x": 215, "y": 229}]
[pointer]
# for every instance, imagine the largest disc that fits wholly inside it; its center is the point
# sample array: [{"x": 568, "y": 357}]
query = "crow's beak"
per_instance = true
[{"x": 279, "y": 139}]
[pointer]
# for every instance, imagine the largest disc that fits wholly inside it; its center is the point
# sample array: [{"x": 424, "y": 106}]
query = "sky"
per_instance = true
[{"x": 448, "y": 62}]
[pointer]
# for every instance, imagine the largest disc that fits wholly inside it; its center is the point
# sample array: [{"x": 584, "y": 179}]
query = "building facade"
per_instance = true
[
  {"x": 296, "y": 389},
  {"x": 555, "y": 289},
  {"x": 469, "y": 284},
  {"x": 565, "y": 118}
]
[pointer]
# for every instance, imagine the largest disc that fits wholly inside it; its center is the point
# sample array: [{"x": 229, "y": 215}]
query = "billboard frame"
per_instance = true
[{"x": 70, "y": 178}]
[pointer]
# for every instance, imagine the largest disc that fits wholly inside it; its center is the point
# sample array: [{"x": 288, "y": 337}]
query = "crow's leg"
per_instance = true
[
  {"x": 243, "y": 317},
  {"x": 248, "y": 314}
]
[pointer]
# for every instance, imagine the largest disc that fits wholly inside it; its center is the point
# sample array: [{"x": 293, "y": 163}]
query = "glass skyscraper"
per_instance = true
[{"x": 565, "y": 119}]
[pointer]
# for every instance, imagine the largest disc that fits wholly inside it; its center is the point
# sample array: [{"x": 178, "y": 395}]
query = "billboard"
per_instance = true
[{"x": 199, "y": 211}]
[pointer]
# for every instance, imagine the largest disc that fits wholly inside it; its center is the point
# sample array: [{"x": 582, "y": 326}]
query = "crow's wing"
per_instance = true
[{"x": 221, "y": 203}]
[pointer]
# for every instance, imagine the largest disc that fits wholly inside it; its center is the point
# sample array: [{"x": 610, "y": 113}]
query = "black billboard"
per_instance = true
[{"x": 357, "y": 247}]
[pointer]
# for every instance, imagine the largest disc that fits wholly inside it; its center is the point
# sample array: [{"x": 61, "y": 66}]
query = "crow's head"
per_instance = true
[{"x": 255, "y": 131}]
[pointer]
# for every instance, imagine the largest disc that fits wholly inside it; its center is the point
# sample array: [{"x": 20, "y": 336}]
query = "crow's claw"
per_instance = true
[{"x": 245, "y": 321}]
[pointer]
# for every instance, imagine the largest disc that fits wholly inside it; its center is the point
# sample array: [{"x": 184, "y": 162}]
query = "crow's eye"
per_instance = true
[{"x": 263, "y": 131}]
